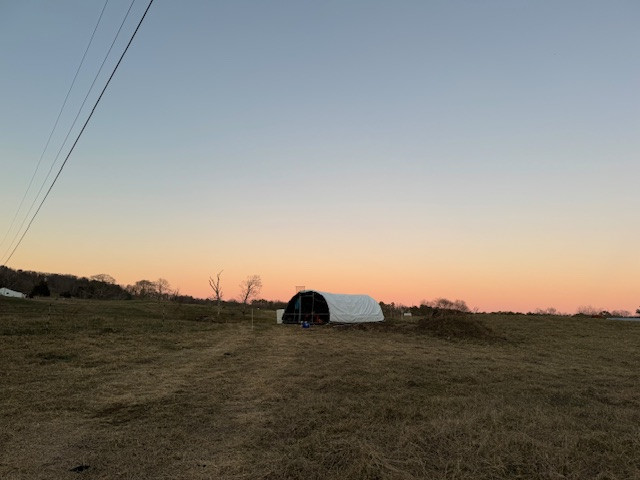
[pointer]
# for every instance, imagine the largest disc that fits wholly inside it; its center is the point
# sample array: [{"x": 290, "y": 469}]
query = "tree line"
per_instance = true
[
  {"x": 38, "y": 284},
  {"x": 104, "y": 287},
  {"x": 426, "y": 307}
]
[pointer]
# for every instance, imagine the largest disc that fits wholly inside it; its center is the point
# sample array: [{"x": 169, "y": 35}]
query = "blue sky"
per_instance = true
[{"x": 477, "y": 150}]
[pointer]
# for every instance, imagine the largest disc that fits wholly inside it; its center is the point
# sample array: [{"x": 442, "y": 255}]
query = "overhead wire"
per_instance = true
[
  {"x": 44, "y": 182},
  {"x": 55, "y": 125},
  {"x": 84, "y": 126}
]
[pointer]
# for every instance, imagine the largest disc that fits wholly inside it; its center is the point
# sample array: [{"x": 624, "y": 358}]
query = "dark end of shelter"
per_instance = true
[{"x": 307, "y": 306}]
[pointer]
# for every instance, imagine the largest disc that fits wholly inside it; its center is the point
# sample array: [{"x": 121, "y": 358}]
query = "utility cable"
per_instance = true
[
  {"x": 80, "y": 133},
  {"x": 44, "y": 182},
  {"x": 95, "y": 78},
  {"x": 55, "y": 125}
]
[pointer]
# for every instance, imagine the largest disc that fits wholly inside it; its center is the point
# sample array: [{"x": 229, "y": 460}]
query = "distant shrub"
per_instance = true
[
  {"x": 41, "y": 289},
  {"x": 588, "y": 310}
]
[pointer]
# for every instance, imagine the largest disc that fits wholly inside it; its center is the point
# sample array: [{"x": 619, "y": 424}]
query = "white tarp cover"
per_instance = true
[
  {"x": 352, "y": 308},
  {"x": 5, "y": 292}
]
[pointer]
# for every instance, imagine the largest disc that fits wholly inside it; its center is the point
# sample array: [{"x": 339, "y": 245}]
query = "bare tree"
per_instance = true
[
  {"x": 103, "y": 277},
  {"x": 162, "y": 288},
  {"x": 461, "y": 306},
  {"x": 217, "y": 289},
  {"x": 249, "y": 289},
  {"x": 443, "y": 303},
  {"x": 588, "y": 310},
  {"x": 142, "y": 288},
  {"x": 101, "y": 284}
]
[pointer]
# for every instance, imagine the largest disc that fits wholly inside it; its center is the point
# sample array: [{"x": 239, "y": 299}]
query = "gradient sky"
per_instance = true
[{"x": 478, "y": 150}]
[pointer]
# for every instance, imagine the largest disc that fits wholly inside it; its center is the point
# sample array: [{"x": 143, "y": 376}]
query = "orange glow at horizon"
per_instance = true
[
  {"x": 500, "y": 289},
  {"x": 519, "y": 272}
]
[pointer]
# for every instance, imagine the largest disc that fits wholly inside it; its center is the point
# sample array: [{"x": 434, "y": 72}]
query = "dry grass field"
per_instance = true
[{"x": 133, "y": 390}]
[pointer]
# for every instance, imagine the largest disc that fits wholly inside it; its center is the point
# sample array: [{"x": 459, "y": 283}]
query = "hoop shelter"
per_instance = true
[{"x": 321, "y": 307}]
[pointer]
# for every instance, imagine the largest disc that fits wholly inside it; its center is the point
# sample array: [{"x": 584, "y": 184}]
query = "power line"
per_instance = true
[
  {"x": 64, "y": 103},
  {"x": 64, "y": 142},
  {"x": 81, "y": 131}
]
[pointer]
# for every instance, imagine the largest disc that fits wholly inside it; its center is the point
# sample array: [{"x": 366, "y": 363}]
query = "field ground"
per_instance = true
[{"x": 133, "y": 390}]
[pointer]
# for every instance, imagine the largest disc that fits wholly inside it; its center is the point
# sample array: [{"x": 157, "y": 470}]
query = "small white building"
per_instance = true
[{"x": 5, "y": 292}]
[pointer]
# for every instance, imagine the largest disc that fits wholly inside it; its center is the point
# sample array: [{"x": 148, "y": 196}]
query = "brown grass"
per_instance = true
[{"x": 128, "y": 392}]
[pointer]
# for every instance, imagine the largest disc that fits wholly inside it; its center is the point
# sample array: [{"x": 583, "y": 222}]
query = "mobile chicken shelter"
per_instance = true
[{"x": 321, "y": 307}]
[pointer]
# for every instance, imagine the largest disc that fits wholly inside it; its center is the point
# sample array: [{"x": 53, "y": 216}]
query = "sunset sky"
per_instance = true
[{"x": 479, "y": 150}]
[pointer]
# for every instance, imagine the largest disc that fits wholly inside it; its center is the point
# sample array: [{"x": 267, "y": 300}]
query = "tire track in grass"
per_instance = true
[{"x": 251, "y": 393}]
